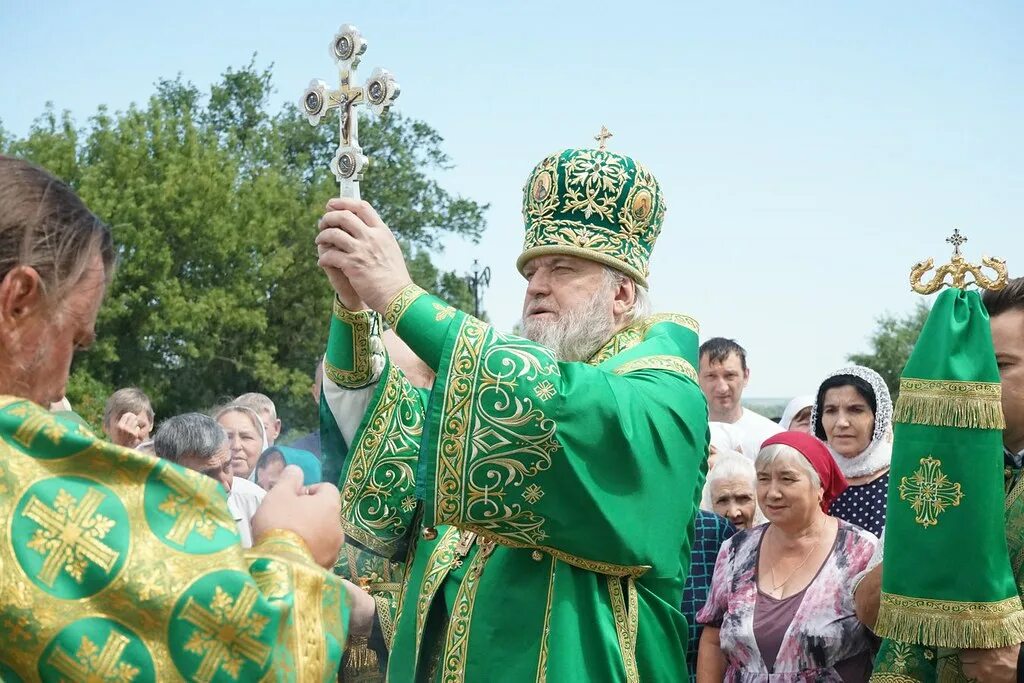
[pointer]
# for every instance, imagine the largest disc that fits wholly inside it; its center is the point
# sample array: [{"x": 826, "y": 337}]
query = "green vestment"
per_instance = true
[
  {"x": 543, "y": 509},
  {"x": 117, "y": 566}
]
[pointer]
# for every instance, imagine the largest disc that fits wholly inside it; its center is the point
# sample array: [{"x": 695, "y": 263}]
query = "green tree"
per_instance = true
[
  {"x": 891, "y": 343},
  {"x": 213, "y": 202}
]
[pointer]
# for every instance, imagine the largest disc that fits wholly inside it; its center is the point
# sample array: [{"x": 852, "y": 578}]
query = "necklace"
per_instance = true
[{"x": 771, "y": 568}]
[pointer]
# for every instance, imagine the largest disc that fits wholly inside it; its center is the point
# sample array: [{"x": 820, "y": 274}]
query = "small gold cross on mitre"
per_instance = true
[{"x": 602, "y": 138}]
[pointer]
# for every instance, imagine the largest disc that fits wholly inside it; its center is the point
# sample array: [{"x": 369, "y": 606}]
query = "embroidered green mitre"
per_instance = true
[
  {"x": 594, "y": 204},
  {"x": 946, "y": 577}
]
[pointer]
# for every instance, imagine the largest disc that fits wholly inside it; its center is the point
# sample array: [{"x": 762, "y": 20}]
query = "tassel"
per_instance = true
[
  {"x": 975, "y": 405},
  {"x": 942, "y": 628}
]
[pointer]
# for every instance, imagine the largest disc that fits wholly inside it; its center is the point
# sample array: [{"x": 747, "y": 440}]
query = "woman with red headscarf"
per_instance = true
[{"x": 781, "y": 601}]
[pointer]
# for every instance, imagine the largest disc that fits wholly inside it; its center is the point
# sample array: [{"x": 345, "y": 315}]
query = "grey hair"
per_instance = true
[
  {"x": 46, "y": 227},
  {"x": 770, "y": 454},
  {"x": 258, "y": 402},
  {"x": 191, "y": 434},
  {"x": 129, "y": 399},
  {"x": 728, "y": 466},
  {"x": 641, "y": 301}
]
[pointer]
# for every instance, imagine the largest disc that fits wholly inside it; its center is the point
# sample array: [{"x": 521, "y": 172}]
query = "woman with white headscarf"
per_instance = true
[
  {"x": 853, "y": 414},
  {"x": 797, "y": 415}
]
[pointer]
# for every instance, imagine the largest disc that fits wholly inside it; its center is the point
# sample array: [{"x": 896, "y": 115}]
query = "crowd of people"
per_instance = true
[{"x": 488, "y": 507}]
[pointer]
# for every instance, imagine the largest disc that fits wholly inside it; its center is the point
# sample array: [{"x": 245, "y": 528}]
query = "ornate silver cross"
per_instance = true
[{"x": 378, "y": 94}]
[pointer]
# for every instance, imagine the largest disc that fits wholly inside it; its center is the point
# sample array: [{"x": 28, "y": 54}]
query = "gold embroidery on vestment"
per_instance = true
[
  {"x": 438, "y": 565},
  {"x": 625, "y": 624},
  {"x": 545, "y": 636},
  {"x": 70, "y": 536},
  {"x": 375, "y": 506},
  {"x": 91, "y": 663},
  {"x": 457, "y": 639},
  {"x": 226, "y": 615},
  {"x": 664, "y": 362},
  {"x": 401, "y": 303}
]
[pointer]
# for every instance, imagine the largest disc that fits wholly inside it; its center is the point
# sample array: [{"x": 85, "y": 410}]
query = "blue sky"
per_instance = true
[{"x": 810, "y": 153}]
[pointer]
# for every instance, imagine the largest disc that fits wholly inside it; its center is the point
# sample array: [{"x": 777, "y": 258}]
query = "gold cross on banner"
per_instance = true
[
  {"x": 71, "y": 535},
  {"x": 91, "y": 663},
  {"x": 930, "y": 492},
  {"x": 602, "y": 137},
  {"x": 226, "y": 633},
  {"x": 956, "y": 239},
  {"x": 379, "y": 93},
  {"x": 191, "y": 505}
]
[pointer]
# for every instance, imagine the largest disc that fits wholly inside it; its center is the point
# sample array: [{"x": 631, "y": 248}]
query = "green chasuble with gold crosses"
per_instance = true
[
  {"x": 542, "y": 509},
  {"x": 117, "y": 566}
]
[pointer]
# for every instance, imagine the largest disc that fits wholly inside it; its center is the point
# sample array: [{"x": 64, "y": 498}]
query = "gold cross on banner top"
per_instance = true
[
  {"x": 602, "y": 138},
  {"x": 956, "y": 239},
  {"x": 957, "y": 270}
]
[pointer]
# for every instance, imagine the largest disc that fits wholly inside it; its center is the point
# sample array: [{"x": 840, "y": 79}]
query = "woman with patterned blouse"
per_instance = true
[{"x": 781, "y": 602}]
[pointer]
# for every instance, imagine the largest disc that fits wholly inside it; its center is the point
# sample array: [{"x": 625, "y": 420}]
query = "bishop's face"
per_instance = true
[
  {"x": 571, "y": 305},
  {"x": 557, "y": 285}
]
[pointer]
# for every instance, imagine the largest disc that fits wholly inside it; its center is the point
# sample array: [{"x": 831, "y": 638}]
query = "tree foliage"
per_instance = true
[
  {"x": 213, "y": 202},
  {"x": 891, "y": 343}
]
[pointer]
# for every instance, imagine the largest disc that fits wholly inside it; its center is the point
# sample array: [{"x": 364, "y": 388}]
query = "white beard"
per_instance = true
[{"x": 577, "y": 334}]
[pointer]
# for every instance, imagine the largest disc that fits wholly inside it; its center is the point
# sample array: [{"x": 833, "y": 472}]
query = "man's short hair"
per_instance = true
[
  {"x": 127, "y": 400},
  {"x": 45, "y": 226},
  {"x": 261, "y": 403},
  {"x": 1009, "y": 298},
  {"x": 718, "y": 350},
  {"x": 189, "y": 435}
]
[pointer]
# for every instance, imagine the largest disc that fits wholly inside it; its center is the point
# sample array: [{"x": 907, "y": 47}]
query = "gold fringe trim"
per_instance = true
[
  {"x": 892, "y": 678},
  {"x": 360, "y": 660},
  {"x": 950, "y": 623},
  {"x": 942, "y": 403}
]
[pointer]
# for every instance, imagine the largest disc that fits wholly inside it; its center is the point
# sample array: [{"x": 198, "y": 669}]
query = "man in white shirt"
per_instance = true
[
  {"x": 723, "y": 377},
  {"x": 196, "y": 441}
]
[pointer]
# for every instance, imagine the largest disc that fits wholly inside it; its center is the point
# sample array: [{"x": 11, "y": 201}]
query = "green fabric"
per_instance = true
[
  {"x": 595, "y": 204},
  {"x": 898, "y": 661},
  {"x": 945, "y": 491},
  {"x": 115, "y": 565},
  {"x": 565, "y": 489}
]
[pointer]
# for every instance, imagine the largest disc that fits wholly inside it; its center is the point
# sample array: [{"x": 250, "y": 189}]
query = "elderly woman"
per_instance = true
[
  {"x": 781, "y": 603},
  {"x": 853, "y": 414},
  {"x": 246, "y": 437},
  {"x": 729, "y": 490}
]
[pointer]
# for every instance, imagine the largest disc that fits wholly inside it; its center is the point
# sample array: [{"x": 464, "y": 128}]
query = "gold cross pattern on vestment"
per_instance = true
[
  {"x": 602, "y": 138},
  {"x": 958, "y": 269},
  {"x": 191, "y": 505},
  {"x": 226, "y": 633},
  {"x": 91, "y": 663},
  {"x": 71, "y": 535},
  {"x": 378, "y": 94}
]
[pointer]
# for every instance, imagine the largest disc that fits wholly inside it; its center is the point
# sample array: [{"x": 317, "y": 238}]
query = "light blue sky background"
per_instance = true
[{"x": 810, "y": 152}]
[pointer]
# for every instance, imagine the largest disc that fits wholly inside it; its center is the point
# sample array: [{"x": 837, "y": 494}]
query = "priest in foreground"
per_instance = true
[
  {"x": 115, "y": 565},
  {"x": 541, "y": 495}
]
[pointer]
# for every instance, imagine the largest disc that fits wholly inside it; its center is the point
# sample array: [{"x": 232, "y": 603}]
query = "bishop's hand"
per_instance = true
[{"x": 354, "y": 240}]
